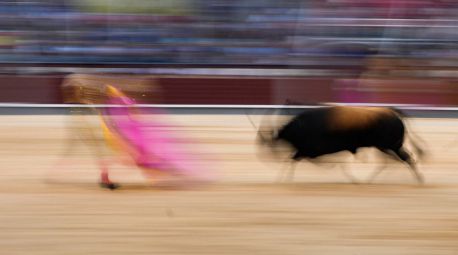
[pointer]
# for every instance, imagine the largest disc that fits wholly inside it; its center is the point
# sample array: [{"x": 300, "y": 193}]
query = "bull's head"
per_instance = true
[
  {"x": 267, "y": 130},
  {"x": 266, "y": 137},
  {"x": 269, "y": 144}
]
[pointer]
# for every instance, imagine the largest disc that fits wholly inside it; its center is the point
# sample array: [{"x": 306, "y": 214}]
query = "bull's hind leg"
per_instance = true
[
  {"x": 405, "y": 156},
  {"x": 380, "y": 168}
]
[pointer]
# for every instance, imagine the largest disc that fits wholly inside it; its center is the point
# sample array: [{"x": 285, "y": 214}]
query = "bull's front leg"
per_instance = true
[
  {"x": 288, "y": 169},
  {"x": 378, "y": 170},
  {"x": 292, "y": 170},
  {"x": 350, "y": 176}
]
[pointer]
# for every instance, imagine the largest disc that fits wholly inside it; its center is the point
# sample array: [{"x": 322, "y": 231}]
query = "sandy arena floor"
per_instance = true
[{"x": 50, "y": 208}]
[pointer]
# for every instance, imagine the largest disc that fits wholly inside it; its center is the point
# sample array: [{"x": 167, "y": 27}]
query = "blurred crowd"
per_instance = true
[{"x": 225, "y": 32}]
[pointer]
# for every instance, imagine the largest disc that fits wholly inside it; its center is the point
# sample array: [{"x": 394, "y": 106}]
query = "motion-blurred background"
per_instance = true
[
  {"x": 236, "y": 51},
  {"x": 201, "y": 54}
]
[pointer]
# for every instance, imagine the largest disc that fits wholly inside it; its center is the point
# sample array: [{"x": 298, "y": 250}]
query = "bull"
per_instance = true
[{"x": 327, "y": 130}]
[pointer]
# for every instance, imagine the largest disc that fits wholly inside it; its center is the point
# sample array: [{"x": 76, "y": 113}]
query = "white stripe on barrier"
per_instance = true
[{"x": 400, "y": 106}]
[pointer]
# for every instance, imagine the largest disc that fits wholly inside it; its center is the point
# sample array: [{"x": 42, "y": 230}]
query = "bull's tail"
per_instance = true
[{"x": 414, "y": 139}]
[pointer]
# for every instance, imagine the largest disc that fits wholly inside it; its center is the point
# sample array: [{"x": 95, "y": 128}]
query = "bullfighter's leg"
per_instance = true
[
  {"x": 74, "y": 138},
  {"x": 105, "y": 181},
  {"x": 404, "y": 156}
]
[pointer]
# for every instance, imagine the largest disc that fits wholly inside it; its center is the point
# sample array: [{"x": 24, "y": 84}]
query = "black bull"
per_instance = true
[{"x": 328, "y": 130}]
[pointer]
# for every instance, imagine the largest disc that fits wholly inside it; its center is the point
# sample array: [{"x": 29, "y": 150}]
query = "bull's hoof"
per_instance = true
[
  {"x": 421, "y": 181},
  {"x": 110, "y": 186}
]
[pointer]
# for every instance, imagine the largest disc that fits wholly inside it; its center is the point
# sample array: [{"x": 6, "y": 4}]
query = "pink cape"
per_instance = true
[{"x": 155, "y": 147}]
